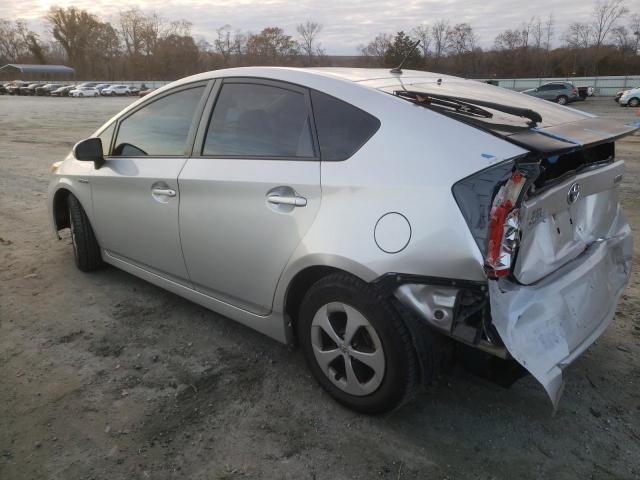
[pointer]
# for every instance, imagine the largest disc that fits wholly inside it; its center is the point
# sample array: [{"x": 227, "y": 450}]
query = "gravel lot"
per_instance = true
[{"x": 104, "y": 376}]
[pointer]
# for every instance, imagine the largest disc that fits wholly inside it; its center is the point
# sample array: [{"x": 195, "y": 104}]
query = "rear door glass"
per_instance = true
[
  {"x": 254, "y": 120},
  {"x": 342, "y": 128}
]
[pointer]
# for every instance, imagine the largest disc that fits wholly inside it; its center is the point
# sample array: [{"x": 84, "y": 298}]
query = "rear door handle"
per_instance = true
[
  {"x": 296, "y": 200},
  {"x": 164, "y": 192}
]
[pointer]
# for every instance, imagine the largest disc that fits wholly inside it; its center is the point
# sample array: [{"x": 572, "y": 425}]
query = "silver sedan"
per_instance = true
[{"x": 365, "y": 215}]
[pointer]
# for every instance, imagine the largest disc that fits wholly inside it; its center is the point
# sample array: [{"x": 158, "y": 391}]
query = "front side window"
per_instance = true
[
  {"x": 159, "y": 128},
  {"x": 342, "y": 128},
  {"x": 105, "y": 137},
  {"x": 252, "y": 120}
]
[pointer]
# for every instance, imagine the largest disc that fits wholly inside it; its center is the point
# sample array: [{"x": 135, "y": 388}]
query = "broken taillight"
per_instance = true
[{"x": 504, "y": 227}]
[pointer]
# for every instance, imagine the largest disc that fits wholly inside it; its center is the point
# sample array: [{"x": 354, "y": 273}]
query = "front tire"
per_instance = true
[
  {"x": 356, "y": 345},
  {"x": 633, "y": 102},
  {"x": 562, "y": 100},
  {"x": 86, "y": 250}
]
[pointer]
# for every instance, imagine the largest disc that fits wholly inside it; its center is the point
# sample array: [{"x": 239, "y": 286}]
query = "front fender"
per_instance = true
[{"x": 79, "y": 188}]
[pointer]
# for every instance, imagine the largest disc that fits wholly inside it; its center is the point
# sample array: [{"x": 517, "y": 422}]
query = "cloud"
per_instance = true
[{"x": 347, "y": 24}]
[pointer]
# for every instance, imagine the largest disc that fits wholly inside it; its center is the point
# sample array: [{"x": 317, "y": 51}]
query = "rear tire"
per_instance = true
[
  {"x": 343, "y": 323},
  {"x": 562, "y": 100},
  {"x": 86, "y": 250}
]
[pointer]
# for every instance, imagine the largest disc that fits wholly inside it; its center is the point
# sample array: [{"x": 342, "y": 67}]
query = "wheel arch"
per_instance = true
[
  {"x": 297, "y": 281},
  {"x": 59, "y": 194},
  {"x": 60, "y": 210}
]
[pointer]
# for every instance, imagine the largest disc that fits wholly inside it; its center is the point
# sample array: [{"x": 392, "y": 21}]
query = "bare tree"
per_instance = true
[
  {"x": 132, "y": 26},
  {"x": 578, "y": 36},
  {"x": 634, "y": 28},
  {"x": 439, "y": 32},
  {"x": 309, "y": 32},
  {"x": 375, "y": 50},
  {"x": 423, "y": 33},
  {"x": 537, "y": 32},
  {"x": 548, "y": 32},
  {"x": 604, "y": 17},
  {"x": 510, "y": 40},
  {"x": 223, "y": 44},
  {"x": 272, "y": 46},
  {"x": 74, "y": 29},
  {"x": 548, "y": 35},
  {"x": 13, "y": 46},
  {"x": 461, "y": 39}
]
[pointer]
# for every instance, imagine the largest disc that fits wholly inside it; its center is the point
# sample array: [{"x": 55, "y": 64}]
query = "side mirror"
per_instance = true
[{"x": 89, "y": 150}]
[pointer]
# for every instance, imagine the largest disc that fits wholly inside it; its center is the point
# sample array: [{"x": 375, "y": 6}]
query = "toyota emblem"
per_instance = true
[{"x": 573, "y": 193}]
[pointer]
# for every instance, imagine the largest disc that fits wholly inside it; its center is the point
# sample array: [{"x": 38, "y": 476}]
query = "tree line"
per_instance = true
[{"x": 141, "y": 45}]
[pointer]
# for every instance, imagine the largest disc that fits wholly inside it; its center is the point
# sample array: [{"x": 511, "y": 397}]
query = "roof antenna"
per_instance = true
[{"x": 398, "y": 69}]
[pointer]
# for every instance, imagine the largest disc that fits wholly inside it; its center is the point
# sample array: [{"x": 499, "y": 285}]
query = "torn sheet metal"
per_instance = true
[
  {"x": 547, "y": 325},
  {"x": 434, "y": 303},
  {"x": 557, "y": 228}
]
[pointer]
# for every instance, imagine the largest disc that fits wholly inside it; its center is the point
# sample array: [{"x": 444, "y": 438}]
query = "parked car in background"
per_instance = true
[
  {"x": 622, "y": 92},
  {"x": 584, "y": 92},
  {"x": 29, "y": 89},
  {"x": 63, "y": 91},
  {"x": 102, "y": 86},
  {"x": 84, "y": 92},
  {"x": 47, "y": 89},
  {"x": 116, "y": 90},
  {"x": 145, "y": 92},
  {"x": 3, "y": 89},
  {"x": 630, "y": 98},
  {"x": 13, "y": 88},
  {"x": 88, "y": 84},
  {"x": 559, "y": 92},
  {"x": 522, "y": 258}
]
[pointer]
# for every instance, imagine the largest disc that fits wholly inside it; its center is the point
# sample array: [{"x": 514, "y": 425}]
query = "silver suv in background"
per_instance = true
[
  {"x": 559, "y": 92},
  {"x": 368, "y": 215}
]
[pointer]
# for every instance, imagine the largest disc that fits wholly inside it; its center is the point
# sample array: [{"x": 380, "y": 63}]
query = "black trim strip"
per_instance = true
[{"x": 389, "y": 282}]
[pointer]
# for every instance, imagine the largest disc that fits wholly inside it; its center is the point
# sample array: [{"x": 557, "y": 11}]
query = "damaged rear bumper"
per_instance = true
[{"x": 547, "y": 325}]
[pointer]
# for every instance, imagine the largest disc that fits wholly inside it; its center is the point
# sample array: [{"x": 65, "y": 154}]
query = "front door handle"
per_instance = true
[
  {"x": 164, "y": 192},
  {"x": 294, "y": 200}
]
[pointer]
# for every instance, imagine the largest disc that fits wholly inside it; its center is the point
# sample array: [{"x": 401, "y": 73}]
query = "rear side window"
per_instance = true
[
  {"x": 159, "y": 128},
  {"x": 253, "y": 120},
  {"x": 342, "y": 128}
]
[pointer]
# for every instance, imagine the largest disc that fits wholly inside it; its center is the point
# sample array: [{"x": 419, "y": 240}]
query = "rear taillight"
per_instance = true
[{"x": 504, "y": 227}]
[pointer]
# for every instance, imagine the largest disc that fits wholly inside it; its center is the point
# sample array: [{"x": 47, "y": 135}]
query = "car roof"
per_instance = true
[{"x": 352, "y": 75}]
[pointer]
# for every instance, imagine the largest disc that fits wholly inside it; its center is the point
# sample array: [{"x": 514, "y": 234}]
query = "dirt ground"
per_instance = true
[{"x": 104, "y": 376}]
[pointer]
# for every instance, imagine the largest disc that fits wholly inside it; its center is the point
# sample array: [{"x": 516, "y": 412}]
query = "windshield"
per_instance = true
[{"x": 551, "y": 114}]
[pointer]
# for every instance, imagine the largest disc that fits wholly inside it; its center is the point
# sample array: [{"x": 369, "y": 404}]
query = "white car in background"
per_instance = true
[
  {"x": 84, "y": 92},
  {"x": 114, "y": 90},
  {"x": 630, "y": 98}
]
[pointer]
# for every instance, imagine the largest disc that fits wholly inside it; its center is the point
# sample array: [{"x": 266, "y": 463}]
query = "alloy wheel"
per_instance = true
[{"x": 347, "y": 349}]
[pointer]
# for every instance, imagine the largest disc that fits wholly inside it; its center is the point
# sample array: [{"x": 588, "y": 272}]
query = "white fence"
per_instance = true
[{"x": 605, "y": 86}]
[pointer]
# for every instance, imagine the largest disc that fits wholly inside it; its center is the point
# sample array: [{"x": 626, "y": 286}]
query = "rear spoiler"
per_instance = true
[{"x": 569, "y": 136}]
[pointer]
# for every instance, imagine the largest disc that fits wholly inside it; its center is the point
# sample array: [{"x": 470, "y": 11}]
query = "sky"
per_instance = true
[{"x": 346, "y": 23}]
